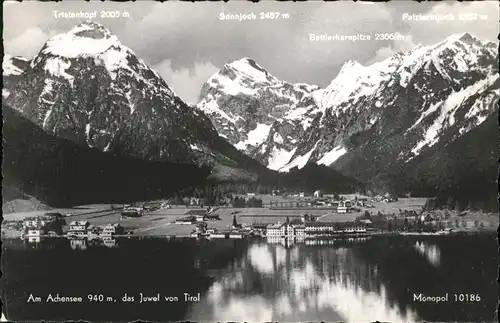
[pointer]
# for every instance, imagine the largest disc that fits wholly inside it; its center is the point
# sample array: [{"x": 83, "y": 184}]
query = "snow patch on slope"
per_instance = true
[
  {"x": 8, "y": 67},
  {"x": 447, "y": 110},
  {"x": 210, "y": 106},
  {"x": 5, "y": 93},
  {"x": 229, "y": 86},
  {"x": 299, "y": 161},
  {"x": 58, "y": 67},
  {"x": 277, "y": 138},
  {"x": 255, "y": 137},
  {"x": 331, "y": 156},
  {"x": 279, "y": 158}
]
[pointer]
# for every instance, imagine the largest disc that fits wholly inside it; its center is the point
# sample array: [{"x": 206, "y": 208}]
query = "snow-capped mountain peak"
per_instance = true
[
  {"x": 244, "y": 100},
  {"x": 345, "y": 86},
  {"x": 86, "y": 39},
  {"x": 465, "y": 38},
  {"x": 351, "y": 65},
  {"x": 92, "y": 29},
  {"x": 243, "y": 76},
  {"x": 251, "y": 69},
  {"x": 85, "y": 85}
]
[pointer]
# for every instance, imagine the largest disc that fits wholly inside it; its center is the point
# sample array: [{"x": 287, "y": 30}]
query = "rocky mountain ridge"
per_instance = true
[{"x": 396, "y": 108}]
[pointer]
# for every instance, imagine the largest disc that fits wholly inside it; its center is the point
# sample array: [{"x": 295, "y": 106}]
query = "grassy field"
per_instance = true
[
  {"x": 413, "y": 203},
  {"x": 19, "y": 216}
]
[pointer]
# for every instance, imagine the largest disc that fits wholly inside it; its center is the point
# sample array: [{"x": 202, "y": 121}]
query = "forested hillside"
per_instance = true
[{"x": 60, "y": 172}]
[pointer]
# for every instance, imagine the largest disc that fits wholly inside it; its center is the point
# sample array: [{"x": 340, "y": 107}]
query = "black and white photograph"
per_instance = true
[{"x": 250, "y": 161}]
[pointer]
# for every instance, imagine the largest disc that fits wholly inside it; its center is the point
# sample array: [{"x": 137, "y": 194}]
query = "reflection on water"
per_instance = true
[
  {"x": 274, "y": 283},
  {"x": 430, "y": 251},
  {"x": 289, "y": 242},
  {"x": 35, "y": 240},
  {"x": 326, "y": 242},
  {"x": 75, "y": 244},
  {"x": 251, "y": 280}
]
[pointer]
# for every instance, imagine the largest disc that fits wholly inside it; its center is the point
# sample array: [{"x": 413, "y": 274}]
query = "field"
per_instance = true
[{"x": 413, "y": 203}]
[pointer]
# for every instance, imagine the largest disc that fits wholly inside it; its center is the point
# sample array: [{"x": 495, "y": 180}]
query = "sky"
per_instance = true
[{"x": 186, "y": 42}]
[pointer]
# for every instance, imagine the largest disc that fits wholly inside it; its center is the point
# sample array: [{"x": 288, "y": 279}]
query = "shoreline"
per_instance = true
[
  {"x": 183, "y": 236},
  {"x": 162, "y": 223}
]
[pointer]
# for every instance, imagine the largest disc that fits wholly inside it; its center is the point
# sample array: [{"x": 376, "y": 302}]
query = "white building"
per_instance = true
[
  {"x": 342, "y": 209},
  {"x": 35, "y": 232},
  {"x": 112, "y": 229},
  {"x": 275, "y": 230},
  {"x": 78, "y": 228},
  {"x": 332, "y": 228},
  {"x": 79, "y": 225},
  {"x": 300, "y": 230},
  {"x": 36, "y": 222},
  {"x": 285, "y": 230}
]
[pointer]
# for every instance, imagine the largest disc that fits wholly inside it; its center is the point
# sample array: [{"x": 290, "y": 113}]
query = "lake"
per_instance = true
[{"x": 385, "y": 278}]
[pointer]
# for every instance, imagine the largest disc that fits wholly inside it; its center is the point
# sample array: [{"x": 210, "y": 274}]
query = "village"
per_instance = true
[{"x": 297, "y": 218}]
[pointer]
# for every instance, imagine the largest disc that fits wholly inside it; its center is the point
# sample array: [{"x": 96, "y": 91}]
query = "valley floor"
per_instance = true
[{"x": 161, "y": 222}]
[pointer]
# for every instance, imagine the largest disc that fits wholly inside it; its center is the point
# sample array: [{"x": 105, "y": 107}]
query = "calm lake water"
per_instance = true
[{"x": 251, "y": 280}]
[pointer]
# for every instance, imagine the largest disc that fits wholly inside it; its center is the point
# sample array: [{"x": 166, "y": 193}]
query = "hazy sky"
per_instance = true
[{"x": 187, "y": 42}]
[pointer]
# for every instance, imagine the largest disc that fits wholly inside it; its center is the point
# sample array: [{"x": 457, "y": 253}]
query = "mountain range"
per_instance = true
[
  {"x": 85, "y": 87},
  {"x": 371, "y": 124},
  {"x": 414, "y": 98}
]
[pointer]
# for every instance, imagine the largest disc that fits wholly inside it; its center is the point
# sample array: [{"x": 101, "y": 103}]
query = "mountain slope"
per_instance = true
[
  {"x": 462, "y": 174},
  {"x": 427, "y": 106},
  {"x": 67, "y": 173}
]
